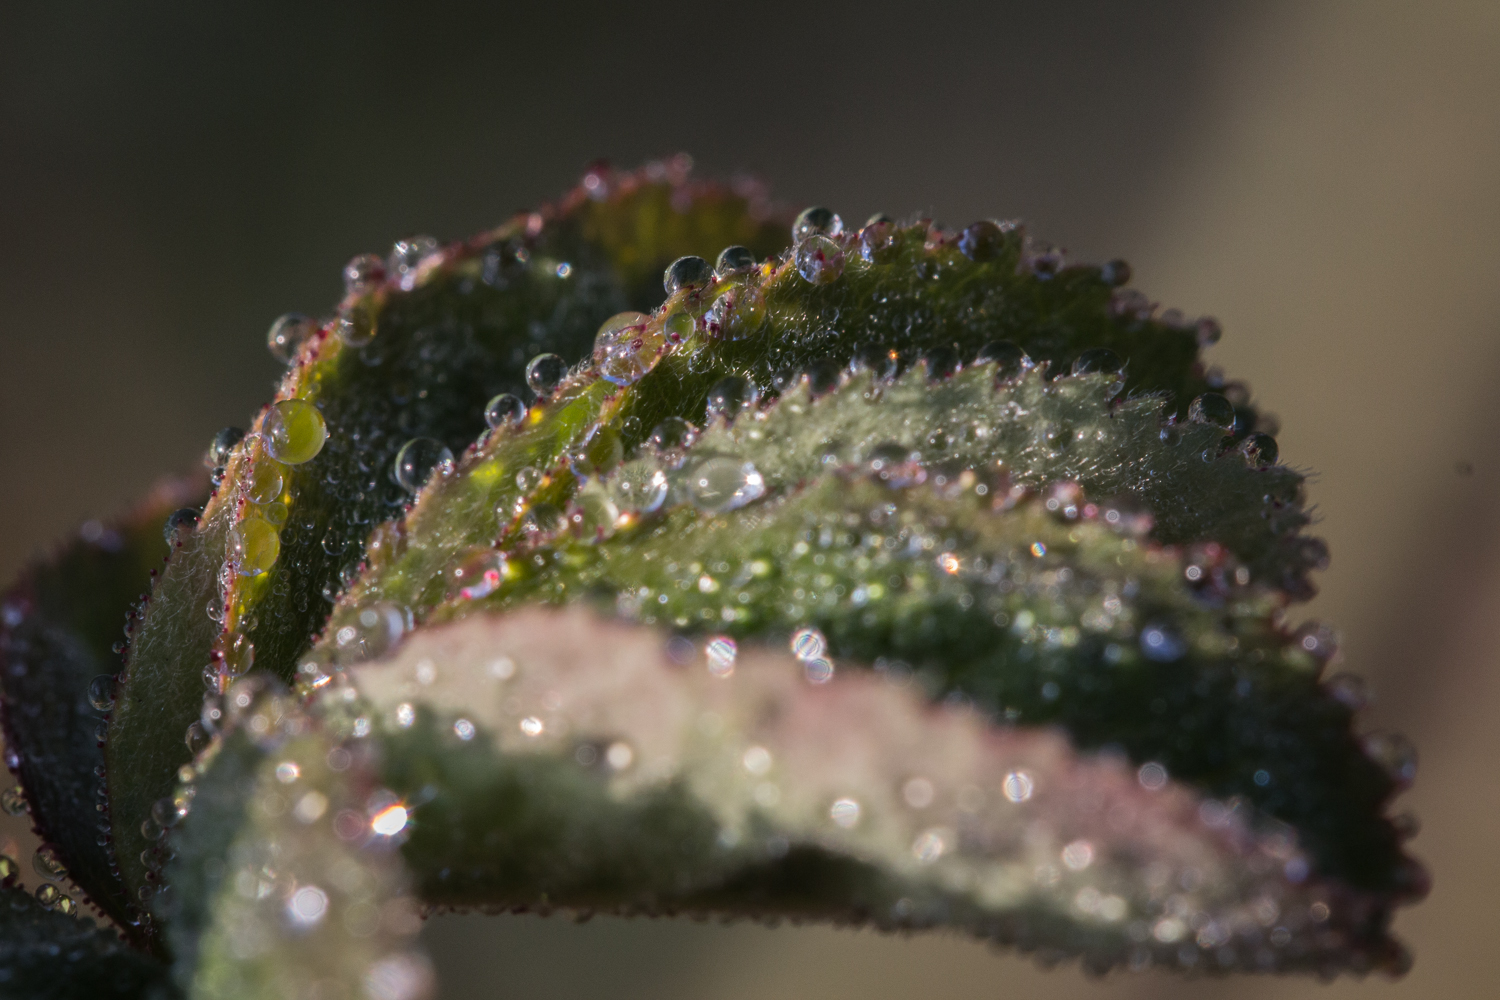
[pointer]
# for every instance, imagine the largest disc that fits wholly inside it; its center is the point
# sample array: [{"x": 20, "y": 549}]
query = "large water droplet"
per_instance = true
[
  {"x": 418, "y": 459},
  {"x": 544, "y": 373},
  {"x": 222, "y": 445},
  {"x": 626, "y": 347},
  {"x": 734, "y": 260},
  {"x": 102, "y": 692},
  {"x": 288, "y": 334},
  {"x": 686, "y": 272},
  {"x": 1212, "y": 408},
  {"x": 717, "y": 485},
  {"x": 294, "y": 431},
  {"x": 254, "y": 546},
  {"x": 738, "y": 312},
  {"x": 729, "y": 396},
  {"x": 816, "y": 221},
  {"x": 265, "y": 482},
  {"x": 13, "y": 803},
  {"x": 819, "y": 260}
]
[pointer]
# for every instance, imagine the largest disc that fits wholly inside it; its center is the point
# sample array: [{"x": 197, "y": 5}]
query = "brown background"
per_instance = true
[{"x": 1323, "y": 177}]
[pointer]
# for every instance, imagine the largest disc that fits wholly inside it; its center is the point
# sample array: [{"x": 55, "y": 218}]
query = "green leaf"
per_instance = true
[
  {"x": 47, "y": 955},
  {"x": 457, "y": 330},
  {"x": 59, "y": 626}
]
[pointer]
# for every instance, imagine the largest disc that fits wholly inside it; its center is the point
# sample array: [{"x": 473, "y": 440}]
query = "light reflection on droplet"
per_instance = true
[{"x": 1018, "y": 786}]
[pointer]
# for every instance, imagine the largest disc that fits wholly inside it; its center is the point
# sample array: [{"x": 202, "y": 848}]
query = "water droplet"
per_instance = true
[
  {"x": 197, "y": 738},
  {"x": 363, "y": 273},
  {"x": 13, "y": 802},
  {"x": 254, "y": 546},
  {"x": 626, "y": 348},
  {"x": 179, "y": 522},
  {"x": 941, "y": 363},
  {"x": 718, "y": 485},
  {"x": 734, "y": 260},
  {"x": 1115, "y": 273},
  {"x": 47, "y": 862},
  {"x": 729, "y": 396},
  {"x": 1018, "y": 786},
  {"x": 265, "y": 481},
  {"x": 478, "y": 576},
  {"x": 642, "y": 488},
  {"x": 166, "y": 812},
  {"x": 221, "y": 447},
  {"x": 102, "y": 692},
  {"x": 544, "y": 373},
  {"x": 721, "y": 651},
  {"x": 1209, "y": 331},
  {"x": 686, "y": 272},
  {"x": 64, "y": 904},
  {"x": 375, "y": 630},
  {"x": 895, "y": 465},
  {"x": 48, "y": 895},
  {"x": 1260, "y": 450},
  {"x": 672, "y": 437},
  {"x": 1009, "y": 360},
  {"x": 528, "y": 479},
  {"x": 877, "y": 238},
  {"x": 294, "y": 431},
  {"x": 1395, "y": 753},
  {"x": 982, "y": 241},
  {"x": 1098, "y": 359},
  {"x": 738, "y": 312},
  {"x": 288, "y": 334},
  {"x": 816, "y": 221},
  {"x": 407, "y": 256},
  {"x": 505, "y": 410},
  {"x": 356, "y": 323},
  {"x": 1212, "y": 408},
  {"x": 592, "y": 514},
  {"x": 819, "y": 260},
  {"x": 598, "y": 453},
  {"x": 844, "y": 813},
  {"x": 679, "y": 326},
  {"x": 1161, "y": 644},
  {"x": 418, "y": 460}
]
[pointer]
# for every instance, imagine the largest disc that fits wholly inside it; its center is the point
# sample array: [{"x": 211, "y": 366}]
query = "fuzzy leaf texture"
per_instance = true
[{"x": 892, "y": 576}]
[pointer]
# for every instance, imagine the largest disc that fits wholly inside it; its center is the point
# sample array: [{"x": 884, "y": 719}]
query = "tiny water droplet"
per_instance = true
[
  {"x": 544, "y": 373},
  {"x": 288, "y": 334},
  {"x": 679, "y": 326},
  {"x": 982, "y": 240},
  {"x": 1101, "y": 361},
  {"x": 816, "y": 221},
  {"x": 221, "y": 447},
  {"x": 505, "y": 410},
  {"x": 1115, "y": 273},
  {"x": 180, "y": 522},
  {"x": 877, "y": 238},
  {"x": 738, "y": 312},
  {"x": 48, "y": 895},
  {"x": 819, "y": 260},
  {"x": 729, "y": 396},
  {"x": 363, "y": 273},
  {"x": 102, "y": 692},
  {"x": 294, "y": 431},
  {"x": 734, "y": 260},
  {"x": 686, "y": 272},
  {"x": 672, "y": 437},
  {"x": 265, "y": 481},
  {"x": 1260, "y": 450},
  {"x": 1212, "y": 408},
  {"x": 356, "y": 324},
  {"x": 418, "y": 460},
  {"x": 47, "y": 862},
  {"x": 166, "y": 812}
]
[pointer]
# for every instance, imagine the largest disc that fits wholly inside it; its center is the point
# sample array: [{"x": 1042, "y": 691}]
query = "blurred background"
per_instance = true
[{"x": 1322, "y": 177}]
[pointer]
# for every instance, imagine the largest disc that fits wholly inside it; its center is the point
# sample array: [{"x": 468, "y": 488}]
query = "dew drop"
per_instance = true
[
  {"x": 505, "y": 410},
  {"x": 48, "y": 895},
  {"x": 544, "y": 373},
  {"x": 102, "y": 692},
  {"x": 356, "y": 324},
  {"x": 721, "y": 652},
  {"x": 1212, "y": 408},
  {"x": 294, "y": 431},
  {"x": 418, "y": 460},
  {"x": 265, "y": 481},
  {"x": 197, "y": 738},
  {"x": 363, "y": 273},
  {"x": 1009, "y": 359},
  {"x": 1115, "y": 273},
  {"x": 221, "y": 447},
  {"x": 738, "y": 312},
  {"x": 1098, "y": 360},
  {"x": 816, "y": 221},
  {"x": 982, "y": 241},
  {"x": 672, "y": 437},
  {"x": 179, "y": 523},
  {"x": 408, "y": 255},
  {"x": 729, "y": 396},
  {"x": 375, "y": 630},
  {"x": 528, "y": 478},
  {"x": 734, "y": 260},
  {"x": 254, "y": 546},
  {"x": 47, "y": 862},
  {"x": 686, "y": 272},
  {"x": 626, "y": 348},
  {"x": 1260, "y": 450},
  {"x": 877, "y": 239},
  {"x": 679, "y": 326},
  {"x": 166, "y": 813},
  {"x": 13, "y": 803},
  {"x": 1349, "y": 689},
  {"x": 718, "y": 485},
  {"x": 941, "y": 363},
  {"x": 819, "y": 260},
  {"x": 288, "y": 334}
]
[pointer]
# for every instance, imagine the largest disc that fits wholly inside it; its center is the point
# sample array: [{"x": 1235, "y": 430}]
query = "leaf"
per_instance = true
[
  {"x": 47, "y": 955},
  {"x": 555, "y": 759},
  {"x": 455, "y": 329},
  {"x": 59, "y": 625}
]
